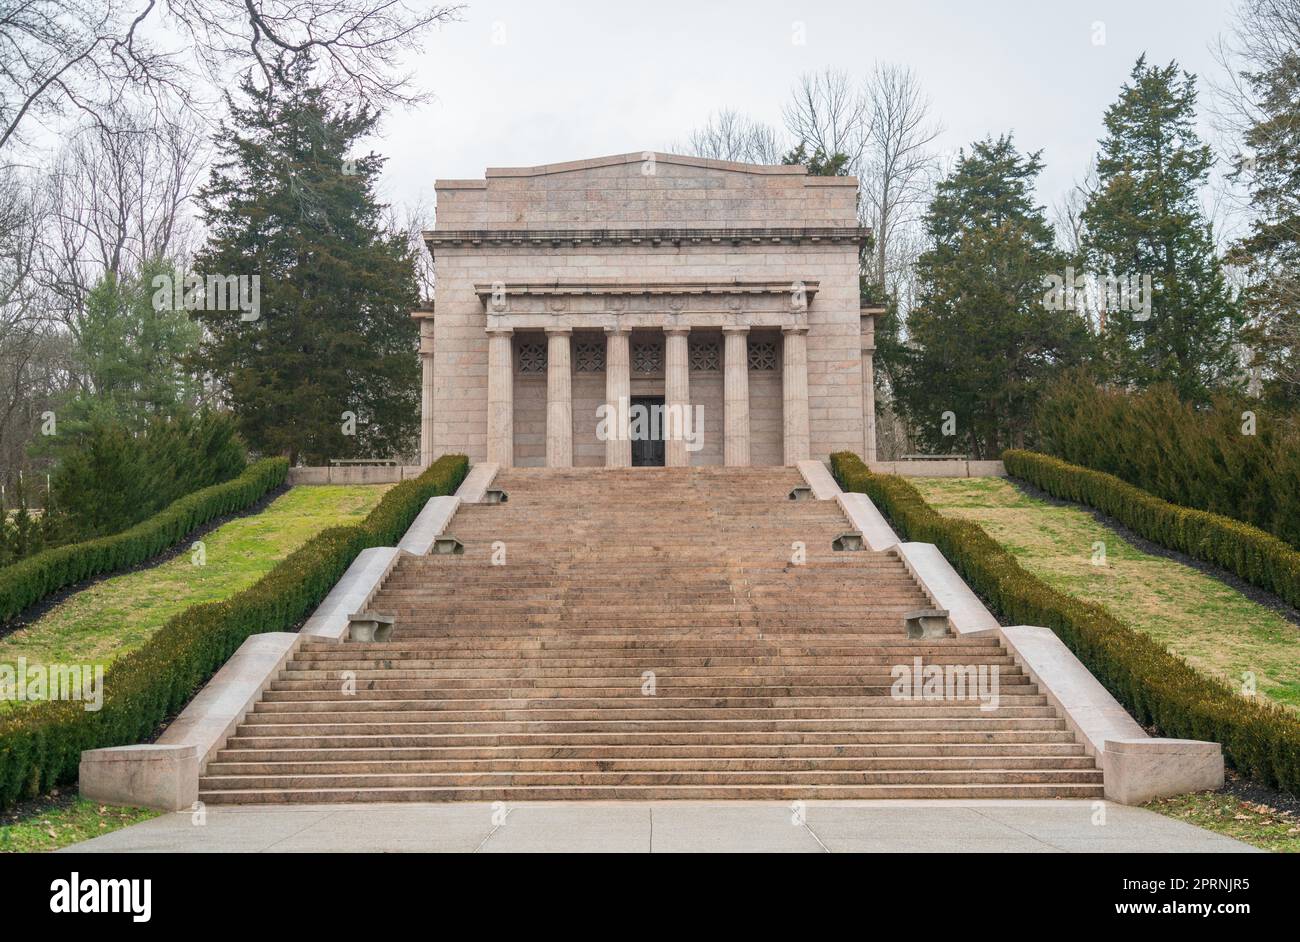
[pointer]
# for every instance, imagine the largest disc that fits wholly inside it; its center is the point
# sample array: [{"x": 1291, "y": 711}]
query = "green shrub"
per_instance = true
[
  {"x": 29, "y": 580},
  {"x": 1192, "y": 457},
  {"x": 1158, "y": 688},
  {"x": 109, "y": 476},
  {"x": 1258, "y": 557},
  {"x": 41, "y": 746}
]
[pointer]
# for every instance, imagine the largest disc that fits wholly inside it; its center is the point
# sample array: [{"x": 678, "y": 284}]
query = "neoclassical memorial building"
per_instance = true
[{"x": 724, "y": 292}]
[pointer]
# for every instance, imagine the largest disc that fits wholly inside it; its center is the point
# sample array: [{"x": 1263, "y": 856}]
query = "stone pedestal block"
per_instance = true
[
  {"x": 149, "y": 776},
  {"x": 1139, "y": 770}
]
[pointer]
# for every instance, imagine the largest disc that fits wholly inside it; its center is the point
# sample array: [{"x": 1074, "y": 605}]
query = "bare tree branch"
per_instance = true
[{"x": 85, "y": 55}]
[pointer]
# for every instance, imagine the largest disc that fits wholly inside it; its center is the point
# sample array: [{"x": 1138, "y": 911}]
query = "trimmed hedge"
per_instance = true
[
  {"x": 1190, "y": 455},
  {"x": 1160, "y": 689},
  {"x": 1258, "y": 557},
  {"x": 41, "y": 745},
  {"x": 27, "y": 581}
]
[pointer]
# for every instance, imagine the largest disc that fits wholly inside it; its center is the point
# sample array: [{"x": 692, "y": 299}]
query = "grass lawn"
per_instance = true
[
  {"x": 50, "y": 823},
  {"x": 1223, "y": 813},
  {"x": 1216, "y": 628},
  {"x": 113, "y": 617}
]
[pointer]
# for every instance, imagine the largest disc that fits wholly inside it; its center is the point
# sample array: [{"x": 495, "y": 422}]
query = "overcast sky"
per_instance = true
[{"x": 523, "y": 83}]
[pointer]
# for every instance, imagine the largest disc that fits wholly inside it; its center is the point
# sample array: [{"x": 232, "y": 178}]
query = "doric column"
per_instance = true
[
  {"x": 618, "y": 397},
  {"x": 735, "y": 355},
  {"x": 559, "y": 399},
  {"x": 794, "y": 386},
  {"x": 426, "y": 391},
  {"x": 677, "y": 395},
  {"x": 869, "y": 383},
  {"x": 501, "y": 398}
]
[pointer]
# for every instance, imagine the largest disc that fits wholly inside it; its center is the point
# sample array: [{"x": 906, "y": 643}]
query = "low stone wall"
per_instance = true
[
  {"x": 941, "y": 468},
  {"x": 354, "y": 474}
]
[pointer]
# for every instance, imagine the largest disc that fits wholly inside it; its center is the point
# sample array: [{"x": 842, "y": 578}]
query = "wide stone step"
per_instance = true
[
  {"x": 631, "y": 646},
  {"x": 652, "y": 793},
  {"x": 636, "y": 663},
  {"x": 360, "y": 724},
  {"x": 604, "y": 764},
  {"x": 883, "y": 702},
  {"x": 690, "y": 644},
  {"x": 905, "y": 752},
  {"x": 482, "y": 779},
  {"x": 392, "y": 689},
  {"x": 280, "y": 737}
]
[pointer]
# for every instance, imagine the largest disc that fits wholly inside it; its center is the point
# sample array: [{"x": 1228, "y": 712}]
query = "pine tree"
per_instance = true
[
  {"x": 132, "y": 352},
  {"x": 1271, "y": 250},
  {"x": 328, "y": 367},
  {"x": 818, "y": 163},
  {"x": 981, "y": 341},
  {"x": 1145, "y": 220}
]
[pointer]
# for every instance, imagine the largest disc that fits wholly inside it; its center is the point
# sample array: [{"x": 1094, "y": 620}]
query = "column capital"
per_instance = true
[
  {"x": 795, "y": 329},
  {"x": 617, "y": 330},
  {"x": 736, "y": 329},
  {"x": 558, "y": 331},
  {"x": 500, "y": 331},
  {"x": 674, "y": 330}
]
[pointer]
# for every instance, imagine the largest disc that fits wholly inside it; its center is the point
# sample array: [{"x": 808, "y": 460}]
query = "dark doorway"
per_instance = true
[{"x": 647, "y": 429}]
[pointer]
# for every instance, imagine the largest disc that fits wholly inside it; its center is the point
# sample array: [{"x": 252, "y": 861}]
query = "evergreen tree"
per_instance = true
[
  {"x": 819, "y": 163},
  {"x": 981, "y": 341},
  {"x": 333, "y": 338},
  {"x": 132, "y": 352},
  {"x": 1145, "y": 220},
  {"x": 1271, "y": 250}
]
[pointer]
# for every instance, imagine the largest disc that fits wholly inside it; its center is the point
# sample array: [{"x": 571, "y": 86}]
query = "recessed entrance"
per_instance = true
[{"x": 647, "y": 428}]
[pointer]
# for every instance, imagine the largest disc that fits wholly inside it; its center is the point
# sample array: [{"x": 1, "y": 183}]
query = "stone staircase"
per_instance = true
[{"x": 644, "y": 633}]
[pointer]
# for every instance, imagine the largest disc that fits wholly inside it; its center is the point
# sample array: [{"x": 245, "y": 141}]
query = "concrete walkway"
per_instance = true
[{"x": 672, "y": 826}]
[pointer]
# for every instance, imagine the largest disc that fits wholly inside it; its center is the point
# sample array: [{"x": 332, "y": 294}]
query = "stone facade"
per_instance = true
[{"x": 729, "y": 291}]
